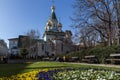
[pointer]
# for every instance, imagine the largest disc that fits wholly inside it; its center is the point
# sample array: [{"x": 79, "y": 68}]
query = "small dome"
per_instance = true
[
  {"x": 49, "y": 23},
  {"x": 59, "y": 25}
]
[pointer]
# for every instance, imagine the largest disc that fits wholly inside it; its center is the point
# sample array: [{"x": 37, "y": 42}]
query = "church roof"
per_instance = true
[{"x": 53, "y": 16}]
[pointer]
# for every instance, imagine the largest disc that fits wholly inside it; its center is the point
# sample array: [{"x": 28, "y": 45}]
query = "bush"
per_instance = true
[
  {"x": 23, "y": 52},
  {"x": 101, "y": 52}
]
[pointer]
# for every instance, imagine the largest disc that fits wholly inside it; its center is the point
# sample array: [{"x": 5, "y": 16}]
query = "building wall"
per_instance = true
[
  {"x": 54, "y": 44},
  {"x": 13, "y": 46},
  {"x": 13, "y": 43}
]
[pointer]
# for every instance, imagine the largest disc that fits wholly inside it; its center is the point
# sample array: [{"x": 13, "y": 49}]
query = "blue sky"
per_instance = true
[{"x": 19, "y": 16}]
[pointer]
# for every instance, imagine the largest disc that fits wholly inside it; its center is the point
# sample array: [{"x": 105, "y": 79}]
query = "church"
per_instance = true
[{"x": 55, "y": 40}]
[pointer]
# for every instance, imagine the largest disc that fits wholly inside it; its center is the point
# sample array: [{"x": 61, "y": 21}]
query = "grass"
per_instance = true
[{"x": 13, "y": 69}]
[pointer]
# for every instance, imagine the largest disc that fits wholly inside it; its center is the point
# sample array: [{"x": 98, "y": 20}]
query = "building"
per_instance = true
[
  {"x": 55, "y": 40},
  {"x": 13, "y": 46},
  {"x": 3, "y": 49}
]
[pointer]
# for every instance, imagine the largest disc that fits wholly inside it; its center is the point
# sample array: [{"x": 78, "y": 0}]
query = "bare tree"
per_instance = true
[
  {"x": 98, "y": 15},
  {"x": 116, "y": 4},
  {"x": 33, "y": 34},
  {"x": 33, "y": 41}
]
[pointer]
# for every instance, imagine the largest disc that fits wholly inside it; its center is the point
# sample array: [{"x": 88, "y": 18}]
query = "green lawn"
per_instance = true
[{"x": 13, "y": 69}]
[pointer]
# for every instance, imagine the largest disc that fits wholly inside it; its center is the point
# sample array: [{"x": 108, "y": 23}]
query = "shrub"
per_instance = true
[{"x": 101, "y": 52}]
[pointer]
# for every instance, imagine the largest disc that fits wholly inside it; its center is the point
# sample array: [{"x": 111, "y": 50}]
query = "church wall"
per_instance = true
[
  {"x": 41, "y": 49},
  {"x": 46, "y": 37}
]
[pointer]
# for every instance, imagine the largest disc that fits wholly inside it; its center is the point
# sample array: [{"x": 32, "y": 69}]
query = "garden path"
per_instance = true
[{"x": 104, "y": 65}]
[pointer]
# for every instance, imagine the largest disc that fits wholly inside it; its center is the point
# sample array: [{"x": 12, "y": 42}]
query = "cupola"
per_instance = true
[
  {"x": 59, "y": 25},
  {"x": 49, "y": 23}
]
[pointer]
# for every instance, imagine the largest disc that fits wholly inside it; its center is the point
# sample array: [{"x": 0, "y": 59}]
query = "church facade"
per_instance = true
[
  {"x": 55, "y": 36},
  {"x": 55, "y": 40}
]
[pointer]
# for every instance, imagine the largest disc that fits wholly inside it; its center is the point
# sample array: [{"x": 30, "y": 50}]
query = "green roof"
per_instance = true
[{"x": 53, "y": 17}]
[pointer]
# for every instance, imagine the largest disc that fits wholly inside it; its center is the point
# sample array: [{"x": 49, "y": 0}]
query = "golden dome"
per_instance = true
[
  {"x": 49, "y": 23},
  {"x": 59, "y": 25}
]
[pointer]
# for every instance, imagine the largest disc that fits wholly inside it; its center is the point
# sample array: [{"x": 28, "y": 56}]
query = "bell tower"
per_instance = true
[{"x": 53, "y": 26}]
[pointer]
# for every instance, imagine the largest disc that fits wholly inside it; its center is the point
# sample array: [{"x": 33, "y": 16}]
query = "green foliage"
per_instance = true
[
  {"x": 72, "y": 54},
  {"x": 58, "y": 55},
  {"x": 101, "y": 52},
  {"x": 23, "y": 52}
]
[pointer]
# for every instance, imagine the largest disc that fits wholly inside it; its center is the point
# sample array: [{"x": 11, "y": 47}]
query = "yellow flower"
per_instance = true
[
  {"x": 24, "y": 76},
  {"x": 45, "y": 70}
]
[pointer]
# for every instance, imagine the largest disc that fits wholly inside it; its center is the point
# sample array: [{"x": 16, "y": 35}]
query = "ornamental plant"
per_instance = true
[
  {"x": 87, "y": 75},
  {"x": 25, "y": 76}
]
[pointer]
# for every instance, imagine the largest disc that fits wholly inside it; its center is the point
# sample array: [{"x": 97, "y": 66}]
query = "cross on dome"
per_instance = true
[{"x": 53, "y": 7}]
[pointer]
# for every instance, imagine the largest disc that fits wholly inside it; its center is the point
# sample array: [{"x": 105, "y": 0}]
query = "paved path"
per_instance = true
[{"x": 105, "y": 65}]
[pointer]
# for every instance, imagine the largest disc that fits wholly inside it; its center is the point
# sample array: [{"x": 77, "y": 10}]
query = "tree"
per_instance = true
[
  {"x": 100, "y": 15},
  {"x": 23, "y": 52},
  {"x": 33, "y": 34},
  {"x": 33, "y": 41},
  {"x": 116, "y": 4}
]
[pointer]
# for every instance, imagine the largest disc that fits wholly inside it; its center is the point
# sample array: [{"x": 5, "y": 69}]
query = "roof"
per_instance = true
[
  {"x": 23, "y": 36},
  {"x": 13, "y": 39},
  {"x": 53, "y": 16}
]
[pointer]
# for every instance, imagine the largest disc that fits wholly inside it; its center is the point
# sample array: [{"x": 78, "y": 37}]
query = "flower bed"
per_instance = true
[
  {"x": 87, "y": 75},
  {"x": 66, "y": 74},
  {"x": 25, "y": 76},
  {"x": 49, "y": 74},
  {"x": 79, "y": 74}
]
